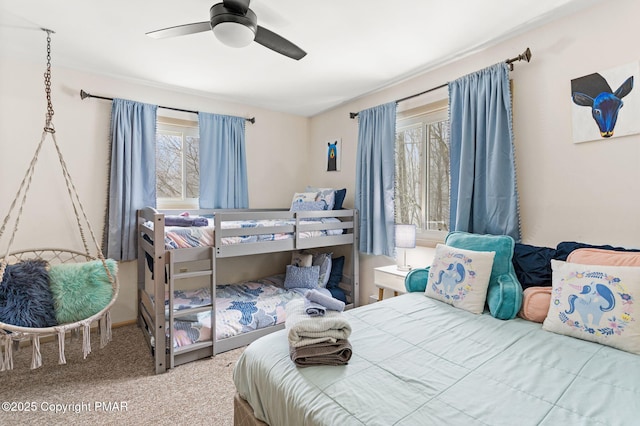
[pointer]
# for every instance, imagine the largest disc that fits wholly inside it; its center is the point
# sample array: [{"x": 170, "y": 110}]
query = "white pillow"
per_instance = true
[
  {"x": 303, "y": 197},
  {"x": 300, "y": 259},
  {"x": 328, "y": 195},
  {"x": 595, "y": 303},
  {"x": 460, "y": 277}
]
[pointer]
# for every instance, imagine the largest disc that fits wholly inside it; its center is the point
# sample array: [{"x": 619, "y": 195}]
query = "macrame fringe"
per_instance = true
[
  {"x": 61, "y": 336},
  {"x": 104, "y": 325},
  {"x": 36, "y": 357},
  {"x": 86, "y": 339},
  {"x": 6, "y": 362}
]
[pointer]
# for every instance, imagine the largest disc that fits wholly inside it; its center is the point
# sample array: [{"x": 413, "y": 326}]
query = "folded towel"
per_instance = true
[
  {"x": 303, "y": 330},
  {"x": 326, "y": 301},
  {"x": 185, "y": 221},
  {"x": 314, "y": 309},
  {"x": 338, "y": 353}
]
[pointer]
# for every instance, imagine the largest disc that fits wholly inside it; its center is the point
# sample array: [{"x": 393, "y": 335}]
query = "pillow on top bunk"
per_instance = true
[
  {"x": 25, "y": 297},
  {"x": 595, "y": 303},
  {"x": 303, "y": 197},
  {"x": 307, "y": 201},
  {"x": 340, "y": 196},
  {"x": 460, "y": 277},
  {"x": 326, "y": 195},
  {"x": 81, "y": 290},
  {"x": 301, "y": 277},
  {"x": 308, "y": 206}
]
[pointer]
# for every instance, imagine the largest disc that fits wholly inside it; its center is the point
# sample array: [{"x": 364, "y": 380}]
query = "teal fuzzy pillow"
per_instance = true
[
  {"x": 504, "y": 296},
  {"x": 81, "y": 290}
]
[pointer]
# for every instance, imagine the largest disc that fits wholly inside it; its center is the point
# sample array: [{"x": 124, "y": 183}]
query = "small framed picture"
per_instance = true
[{"x": 334, "y": 152}]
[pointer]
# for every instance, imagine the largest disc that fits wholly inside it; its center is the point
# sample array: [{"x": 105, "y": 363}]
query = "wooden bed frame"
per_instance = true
[{"x": 170, "y": 266}]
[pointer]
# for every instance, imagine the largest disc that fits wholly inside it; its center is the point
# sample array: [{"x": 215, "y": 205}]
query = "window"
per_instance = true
[
  {"x": 177, "y": 163},
  {"x": 422, "y": 170}
]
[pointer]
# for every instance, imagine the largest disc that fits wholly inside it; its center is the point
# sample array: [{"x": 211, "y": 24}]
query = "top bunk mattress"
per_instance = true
[
  {"x": 419, "y": 361},
  {"x": 203, "y": 235}
]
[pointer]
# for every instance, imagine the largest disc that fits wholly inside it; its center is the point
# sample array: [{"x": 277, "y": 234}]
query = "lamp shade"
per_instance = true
[
  {"x": 405, "y": 236},
  {"x": 234, "y": 34}
]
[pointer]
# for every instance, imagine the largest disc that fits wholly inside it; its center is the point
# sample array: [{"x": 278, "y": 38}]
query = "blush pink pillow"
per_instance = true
[
  {"x": 535, "y": 303},
  {"x": 592, "y": 256}
]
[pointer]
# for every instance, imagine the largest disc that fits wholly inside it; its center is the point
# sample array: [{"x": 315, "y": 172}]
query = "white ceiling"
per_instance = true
[{"x": 353, "y": 47}]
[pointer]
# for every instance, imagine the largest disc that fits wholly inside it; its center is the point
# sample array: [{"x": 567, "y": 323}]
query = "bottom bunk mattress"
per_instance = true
[
  {"x": 240, "y": 308},
  {"x": 418, "y": 361}
]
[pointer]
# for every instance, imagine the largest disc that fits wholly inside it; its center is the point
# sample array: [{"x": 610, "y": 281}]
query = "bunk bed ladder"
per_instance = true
[{"x": 177, "y": 260}]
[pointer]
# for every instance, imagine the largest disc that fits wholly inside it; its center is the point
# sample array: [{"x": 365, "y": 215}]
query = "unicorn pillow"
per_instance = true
[
  {"x": 460, "y": 277},
  {"x": 593, "y": 302}
]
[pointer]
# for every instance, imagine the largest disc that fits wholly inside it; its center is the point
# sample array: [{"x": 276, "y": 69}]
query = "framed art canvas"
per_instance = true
[
  {"x": 334, "y": 152},
  {"x": 605, "y": 104}
]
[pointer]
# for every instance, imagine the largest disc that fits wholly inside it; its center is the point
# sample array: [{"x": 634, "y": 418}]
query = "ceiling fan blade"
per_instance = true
[
  {"x": 279, "y": 44},
  {"x": 240, "y": 6},
  {"x": 180, "y": 30}
]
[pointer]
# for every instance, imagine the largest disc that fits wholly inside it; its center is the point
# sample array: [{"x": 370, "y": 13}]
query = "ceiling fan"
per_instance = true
[{"x": 235, "y": 25}]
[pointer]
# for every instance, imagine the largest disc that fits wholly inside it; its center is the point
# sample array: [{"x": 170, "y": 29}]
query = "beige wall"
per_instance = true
[{"x": 586, "y": 192}]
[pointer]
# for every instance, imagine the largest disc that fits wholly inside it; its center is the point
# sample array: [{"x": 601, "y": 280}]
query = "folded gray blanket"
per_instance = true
[
  {"x": 185, "y": 221},
  {"x": 324, "y": 300},
  {"x": 338, "y": 353}
]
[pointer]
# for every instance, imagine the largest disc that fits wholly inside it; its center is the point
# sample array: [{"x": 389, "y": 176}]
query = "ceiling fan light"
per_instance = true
[{"x": 234, "y": 34}]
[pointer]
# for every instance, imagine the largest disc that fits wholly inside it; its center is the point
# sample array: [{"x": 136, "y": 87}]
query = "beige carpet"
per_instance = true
[{"x": 116, "y": 385}]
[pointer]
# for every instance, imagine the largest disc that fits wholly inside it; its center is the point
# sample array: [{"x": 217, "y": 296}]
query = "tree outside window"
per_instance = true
[
  {"x": 422, "y": 168},
  {"x": 177, "y": 163}
]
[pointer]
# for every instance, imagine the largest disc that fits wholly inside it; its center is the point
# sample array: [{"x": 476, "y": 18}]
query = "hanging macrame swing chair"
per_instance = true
[{"x": 49, "y": 292}]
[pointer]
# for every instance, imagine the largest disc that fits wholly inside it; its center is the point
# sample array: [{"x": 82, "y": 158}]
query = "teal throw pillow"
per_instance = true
[
  {"x": 416, "y": 280},
  {"x": 81, "y": 290},
  {"x": 504, "y": 296}
]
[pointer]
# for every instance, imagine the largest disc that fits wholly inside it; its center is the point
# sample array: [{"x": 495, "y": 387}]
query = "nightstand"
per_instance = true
[{"x": 389, "y": 277}]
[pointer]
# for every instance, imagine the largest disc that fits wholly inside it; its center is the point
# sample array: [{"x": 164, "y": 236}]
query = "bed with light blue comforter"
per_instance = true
[{"x": 418, "y": 361}]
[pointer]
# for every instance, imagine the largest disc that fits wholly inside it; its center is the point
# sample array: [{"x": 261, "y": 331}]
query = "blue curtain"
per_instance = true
[
  {"x": 484, "y": 198},
  {"x": 132, "y": 180},
  {"x": 223, "y": 164},
  {"x": 375, "y": 178}
]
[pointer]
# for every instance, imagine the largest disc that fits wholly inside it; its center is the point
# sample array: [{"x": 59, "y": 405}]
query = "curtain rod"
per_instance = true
[
  {"x": 525, "y": 56},
  {"x": 85, "y": 95}
]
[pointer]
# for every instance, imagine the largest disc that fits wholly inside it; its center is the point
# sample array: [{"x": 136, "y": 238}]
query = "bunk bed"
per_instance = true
[{"x": 193, "y": 253}]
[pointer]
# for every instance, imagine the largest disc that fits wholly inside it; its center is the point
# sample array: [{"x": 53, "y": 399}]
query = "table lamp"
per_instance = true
[{"x": 405, "y": 239}]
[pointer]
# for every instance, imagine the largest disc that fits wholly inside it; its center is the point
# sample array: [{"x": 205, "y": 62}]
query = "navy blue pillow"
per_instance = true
[
  {"x": 338, "y": 293},
  {"x": 337, "y": 265},
  {"x": 339, "y": 198},
  {"x": 25, "y": 297},
  {"x": 533, "y": 265},
  {"x": 566, "y": 247}
]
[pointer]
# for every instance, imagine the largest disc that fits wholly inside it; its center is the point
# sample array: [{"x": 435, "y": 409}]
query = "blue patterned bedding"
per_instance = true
[
  {"x": 240, "y": 308},
  {"x": 203, "y": 236}
]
